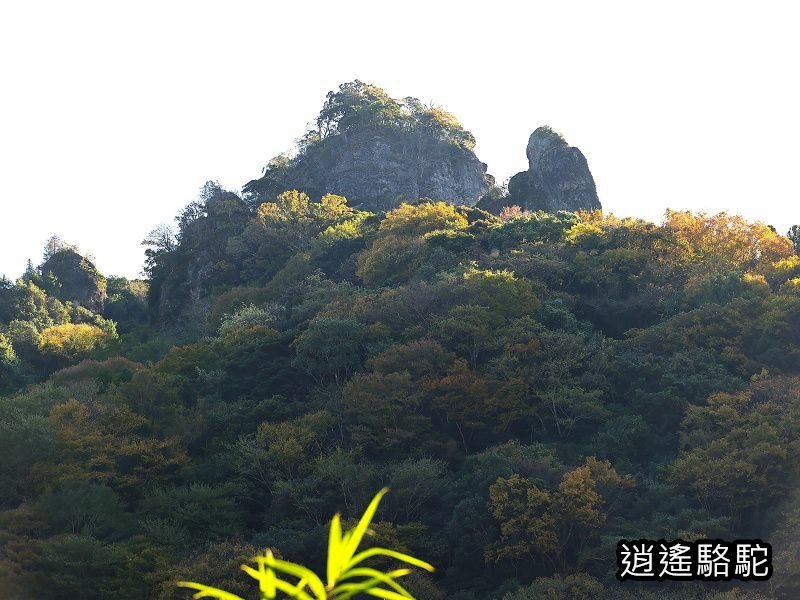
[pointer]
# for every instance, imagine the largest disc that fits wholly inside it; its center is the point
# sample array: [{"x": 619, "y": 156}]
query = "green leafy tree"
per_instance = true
[
  {"x": 739, "y": 451},
  {"x": 332, "y": 348},
  {"x": 794, "y": 235},
  {"x": 8, "y": 361},
  {"x": 82, "y": 508},
  {"x": 386, "y": 414},
  {"x": 195, "y": 512}
]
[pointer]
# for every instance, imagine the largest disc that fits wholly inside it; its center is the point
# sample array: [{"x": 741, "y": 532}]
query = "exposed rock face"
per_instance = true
[
  {"x": 78, "y": 280},
  {"x": 378, "y": 169},
  {"x": 558, "y": 178},
  {"x": 201, "y": 260}
]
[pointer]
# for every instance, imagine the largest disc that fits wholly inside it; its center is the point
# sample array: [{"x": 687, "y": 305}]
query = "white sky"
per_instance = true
[{"x": 113, "y": 114}]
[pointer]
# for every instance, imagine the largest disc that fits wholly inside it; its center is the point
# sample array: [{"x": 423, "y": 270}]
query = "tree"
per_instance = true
[
  {"x": 740, "y": 452},
  {"x": 467, "y": 330},
  {"x": 82, "y": 566},
  {"x": 422, "y": 359},
  {"x": 159, "y": 243},
  {"x": 517, "y": 227},
  {"x": 278, "y": 453},
  {"x": 554, "y": 524},
  {"x": 331, "y": 348},
  {"x": 31, "y": 305},
  {"x": 7, "y": 356},
  {"x": 500, "y": 292},
  {"x": 194, "y": 513},
  {"x": 565, "y": 376},
  {"x": 723, "y": 239},
  {"x": 391, "y": 260},
  {"x": 24, "y": 338},
  {"x": 82, "y": 508},
  {"x": 577, "y": 587},
  {"x": 293, "y": 220},
  {"x": 106, "y": 443},
  {"x": 70, "y": 340},
  {"x": 218, "y": 562},
  {"x": 794, "y": 235},
  {"x": 386, "y": 414},
  {"x": 54, "y": 245},
  {"x": 33, "y": 439},
  {"x": 419, "y": 219},
  {"x": 357, "y": 104},
  {"x": 481, "y": 410}
]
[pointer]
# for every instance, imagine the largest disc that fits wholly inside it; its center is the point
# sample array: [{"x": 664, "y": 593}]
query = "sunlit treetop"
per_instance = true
[{"x": 359, "y": 105}]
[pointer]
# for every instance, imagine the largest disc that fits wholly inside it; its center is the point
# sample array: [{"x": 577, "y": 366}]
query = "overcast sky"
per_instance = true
[{"x": 113, "y": 114}]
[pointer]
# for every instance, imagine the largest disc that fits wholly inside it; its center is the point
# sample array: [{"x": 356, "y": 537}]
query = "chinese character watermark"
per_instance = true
[{"x": 710, "y": 560}]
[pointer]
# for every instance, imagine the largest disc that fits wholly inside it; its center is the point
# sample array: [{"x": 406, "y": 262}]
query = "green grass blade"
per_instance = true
[
  {"x": 358, "y": 532},
  {"x": 345, "y": 591},
  {"x": 386, "y": 594},
  {"x": 293, "y": 591},
  {"x": 265, "y": 578},
  {"x": 385, "y": 578},
  {"x": 299, "y": 571},
  {"x": 206, "y": 591},
  {"x": 335, "y": 547},
  {"x": 370, "y": 552}
]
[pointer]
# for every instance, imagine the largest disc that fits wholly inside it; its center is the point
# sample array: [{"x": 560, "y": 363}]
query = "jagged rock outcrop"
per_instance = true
[
  {"x": 378, "y": 152},
  {"x": 74, "y": 278},
  {"x": 558, "y": 178},
  {"x": 201, "y": 260}
]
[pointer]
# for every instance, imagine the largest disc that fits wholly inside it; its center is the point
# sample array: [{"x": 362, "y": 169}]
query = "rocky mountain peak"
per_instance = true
[
  {"x": 75, "y": 279},
  {"x": 378, "y": 151},
  {"x": 542, "y": 140},
  {"x": 558, "y": 178}
]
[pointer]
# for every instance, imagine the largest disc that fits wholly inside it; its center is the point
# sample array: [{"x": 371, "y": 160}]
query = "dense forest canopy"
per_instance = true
[{"x": 531, "y": 386}]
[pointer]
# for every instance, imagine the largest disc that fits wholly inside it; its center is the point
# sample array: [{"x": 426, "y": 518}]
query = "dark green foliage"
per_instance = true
[
  {"x": 532, "y": 388},
  {"x": 126, "y": 303},
  {"x": 532, "y": 228},
  {"x": 794, "y": 235},
  {"x": 358, "y": 105}
]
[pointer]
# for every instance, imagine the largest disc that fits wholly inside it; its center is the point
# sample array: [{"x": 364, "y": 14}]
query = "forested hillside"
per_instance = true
[{"x": 532, "y": 387}]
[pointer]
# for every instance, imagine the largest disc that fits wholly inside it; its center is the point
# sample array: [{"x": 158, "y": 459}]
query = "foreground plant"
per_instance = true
[{"x": 346, "y": 579}]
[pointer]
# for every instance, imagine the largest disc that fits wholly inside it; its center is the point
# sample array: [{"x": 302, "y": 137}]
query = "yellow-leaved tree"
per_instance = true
[{"x": 70, "y": 340}]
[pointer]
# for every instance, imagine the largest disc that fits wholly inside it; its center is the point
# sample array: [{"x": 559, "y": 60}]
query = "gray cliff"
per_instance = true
[
  {"x": 377, "y": 152},
  {"x": 77, "y": 280},
  {"x": 558, "y": 178}
]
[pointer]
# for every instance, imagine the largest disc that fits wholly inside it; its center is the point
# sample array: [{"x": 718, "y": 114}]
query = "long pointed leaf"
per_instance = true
[
  {"x": 385, "y": 578},
  {"x": 292, "y": 590},
  {"x": 299, "y": 571},
  {"x": 360, "y": 529},
  {"x": 345, "y": 591},
  {"x": 265, "y": 578},
  {"x": 370, "y": 552},
  {"x": 206, "y": 591},
  {"x": 335, "y": 564},
  {"x": 386, "y": 594},
  {"x": 368, "y": 587}
]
